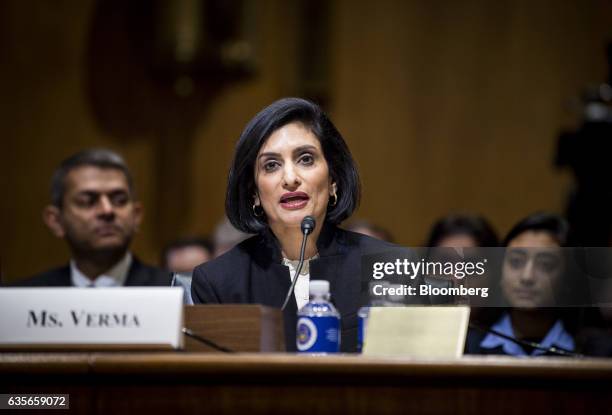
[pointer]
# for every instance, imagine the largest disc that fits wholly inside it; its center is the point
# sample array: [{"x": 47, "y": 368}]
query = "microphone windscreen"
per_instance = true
[{"x": 308, "y": 224}]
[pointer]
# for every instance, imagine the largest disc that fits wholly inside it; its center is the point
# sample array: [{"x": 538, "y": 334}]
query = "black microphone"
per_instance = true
[{"x": 307, "y": 226}]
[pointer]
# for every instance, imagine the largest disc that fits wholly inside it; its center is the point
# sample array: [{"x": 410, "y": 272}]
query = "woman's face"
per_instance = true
[
  {"x": 292, "y": 177},
  {"x": 532, "y": 270}
]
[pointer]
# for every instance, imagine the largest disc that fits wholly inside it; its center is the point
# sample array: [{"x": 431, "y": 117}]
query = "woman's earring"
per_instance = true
[
  {"x": 257, "y": 212},
  {"x": 335, "y": 196}
]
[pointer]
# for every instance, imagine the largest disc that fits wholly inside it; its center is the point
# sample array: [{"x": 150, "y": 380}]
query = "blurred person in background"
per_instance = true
[
  {"x": 184, "y": 254},
  {"x": 226, "y": 236},
  {"x": 367, "y": 228},
  {"x": 534, "y": 284},
  {"x": 94, "y": 210},
  {"x": 462, "y": 231}
]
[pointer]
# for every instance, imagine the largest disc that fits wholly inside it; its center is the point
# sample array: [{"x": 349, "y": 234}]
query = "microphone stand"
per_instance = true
[
  {"x": 553, "y": 350},
  {"x": 308, "y": 224}
]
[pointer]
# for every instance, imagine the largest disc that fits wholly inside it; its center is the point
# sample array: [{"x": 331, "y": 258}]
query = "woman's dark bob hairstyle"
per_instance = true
[
  {"x": 241, "y": 180},
  {"x": 554, "y": 225}
]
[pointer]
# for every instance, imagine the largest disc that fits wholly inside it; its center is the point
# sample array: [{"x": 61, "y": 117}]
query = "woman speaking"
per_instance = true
[{"x": 290, "y": 162}]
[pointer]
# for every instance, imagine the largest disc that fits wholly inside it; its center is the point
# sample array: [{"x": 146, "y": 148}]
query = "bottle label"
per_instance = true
[{"x": 318, "y": 334}]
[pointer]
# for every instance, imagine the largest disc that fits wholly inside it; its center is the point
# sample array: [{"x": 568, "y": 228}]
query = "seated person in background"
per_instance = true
[
  {"x": 369, "y": 229},
  {"x": 183, "y": 255},
  {"x": 93, "y": 209},
  {"x": 462, "y": 231},
  {"x": 458, "y": 231},
  {"x": 226, "y": 236},
  {"x": 532, "y": 282}
]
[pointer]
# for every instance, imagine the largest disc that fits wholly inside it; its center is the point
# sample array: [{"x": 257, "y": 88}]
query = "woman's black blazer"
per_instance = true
[{"x": 252, "y": 272}]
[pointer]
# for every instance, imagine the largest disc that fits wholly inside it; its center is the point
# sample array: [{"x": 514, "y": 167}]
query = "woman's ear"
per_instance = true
[
  {"x": 256, "y": 200},
  {"x": 333, "y": 188}
]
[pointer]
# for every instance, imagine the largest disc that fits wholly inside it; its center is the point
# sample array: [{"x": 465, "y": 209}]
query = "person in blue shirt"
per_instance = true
[{"x": 533, "y": 283}]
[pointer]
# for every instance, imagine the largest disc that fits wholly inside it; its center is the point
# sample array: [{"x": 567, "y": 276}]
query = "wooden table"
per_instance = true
[{"x": 176, "y": 383}]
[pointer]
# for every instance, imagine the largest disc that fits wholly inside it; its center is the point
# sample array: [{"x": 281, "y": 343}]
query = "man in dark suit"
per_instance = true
[{"x": 93, "y": 208}]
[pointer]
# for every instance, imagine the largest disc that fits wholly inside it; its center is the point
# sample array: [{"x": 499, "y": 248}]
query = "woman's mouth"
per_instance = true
[
  {"x": 294, "y": 200},
  {"x": 525, "y": 294}
]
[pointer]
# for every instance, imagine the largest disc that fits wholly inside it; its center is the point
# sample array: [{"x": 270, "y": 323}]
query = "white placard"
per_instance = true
[
  {"x": 127, "y": 317},
  {"x": 422, "y": 332}
]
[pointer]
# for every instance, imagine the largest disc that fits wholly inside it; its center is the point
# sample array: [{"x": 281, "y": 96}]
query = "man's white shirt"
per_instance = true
[{"x": 114, "y": 277}]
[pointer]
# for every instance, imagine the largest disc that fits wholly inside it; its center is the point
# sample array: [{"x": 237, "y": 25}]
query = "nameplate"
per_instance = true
[
  {"x": 422, "y": 332},
  {"x": 91, "y": 318}
]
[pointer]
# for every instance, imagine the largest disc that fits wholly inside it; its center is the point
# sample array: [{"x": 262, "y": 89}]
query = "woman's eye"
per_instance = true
[
  {"x": 517, "y": 262},
  {"x": 270, "y": 165},
  {"x": 307, "y": 159},
  {"x": 548, "y": 265}
]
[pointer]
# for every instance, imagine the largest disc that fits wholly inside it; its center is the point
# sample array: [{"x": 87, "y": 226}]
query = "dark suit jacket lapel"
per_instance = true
[
  {"x": 61, "y": 278},
  {"x": 270, "y": 282},
  {"x": 328, "y": 266},
  {"x": 337, "y": 266},
  {"x": 137, "y": 275},
  {"x": 270, "y": 279}
]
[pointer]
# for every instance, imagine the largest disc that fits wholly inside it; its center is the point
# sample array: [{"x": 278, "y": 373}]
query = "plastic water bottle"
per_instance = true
[
  {"x": 318, "y": 325},
  {"x": 363, "y": 314}
]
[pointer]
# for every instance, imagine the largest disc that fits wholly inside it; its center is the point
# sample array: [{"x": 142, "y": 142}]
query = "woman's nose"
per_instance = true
[
  {"x": 290, "y": 176},
  {"x": 527, "y": 274}
]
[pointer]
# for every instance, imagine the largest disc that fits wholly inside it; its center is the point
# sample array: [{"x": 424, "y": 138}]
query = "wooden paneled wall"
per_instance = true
[{"x": 446, "y": 106}]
